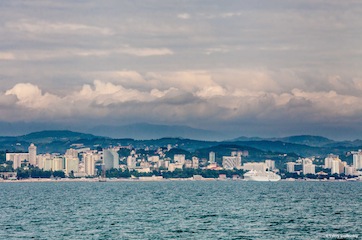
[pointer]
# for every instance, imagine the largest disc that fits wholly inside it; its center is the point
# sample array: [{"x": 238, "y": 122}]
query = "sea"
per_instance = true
[{"x": 181, "y": 210}]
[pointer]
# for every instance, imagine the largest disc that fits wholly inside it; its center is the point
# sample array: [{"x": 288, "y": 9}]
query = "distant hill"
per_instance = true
[
  {"x": 144, "y": 131},
  {"x": 315, "y": 141},
  {"x": 309, "y": 140},
  {"x": 57, "y": 135}
]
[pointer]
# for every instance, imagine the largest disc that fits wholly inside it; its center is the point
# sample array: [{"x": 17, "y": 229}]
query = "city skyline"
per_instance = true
[{"x": 252, "y": 68}]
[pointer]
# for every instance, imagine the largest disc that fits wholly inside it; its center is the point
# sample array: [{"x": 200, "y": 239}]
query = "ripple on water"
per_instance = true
[{"x": 185, "y": 210}]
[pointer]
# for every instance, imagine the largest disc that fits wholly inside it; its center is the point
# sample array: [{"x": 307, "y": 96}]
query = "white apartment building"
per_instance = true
[
  {"x": 257, "y": 166},
  {"x": 32, "y": 154},
  {"x": 357, "y": 159},
  {"x": 308, "y": 166},
  {"x": 270, "y": 164},
  {"x": 231, "y": 162},
  {"x": 179, "y": 158},
  {"x": 17, "y": 158},
  {"x": 329, "y": 160},
  {"x": 290, "y": 167},
  {"x": 212, "y": 157}
]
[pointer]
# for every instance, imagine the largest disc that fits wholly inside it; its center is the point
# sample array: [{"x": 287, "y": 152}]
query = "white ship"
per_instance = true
[{"x": 266, "y": 176}]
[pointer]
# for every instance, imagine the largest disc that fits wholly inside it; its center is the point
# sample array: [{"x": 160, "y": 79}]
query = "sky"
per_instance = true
[{"x": 251, "y": 68}]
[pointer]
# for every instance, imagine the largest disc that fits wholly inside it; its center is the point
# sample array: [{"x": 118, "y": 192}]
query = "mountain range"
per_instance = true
[{"x": 258, "y": 148}]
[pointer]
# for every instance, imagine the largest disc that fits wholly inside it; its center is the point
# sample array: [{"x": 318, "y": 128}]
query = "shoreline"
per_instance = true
[{"x": 32, "y": 180}]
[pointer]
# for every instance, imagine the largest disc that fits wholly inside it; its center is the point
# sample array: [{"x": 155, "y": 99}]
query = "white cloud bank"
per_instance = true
[{"x": 183, "y": 97}]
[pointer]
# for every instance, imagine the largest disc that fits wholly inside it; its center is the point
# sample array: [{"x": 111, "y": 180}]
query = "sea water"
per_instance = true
[{"x": 181, "y": 210}]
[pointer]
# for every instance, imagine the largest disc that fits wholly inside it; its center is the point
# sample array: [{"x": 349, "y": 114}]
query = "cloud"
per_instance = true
[
  {"x": 30, "y": 96},
  {"x": 6, "y": 56},
  {"x": 187, "y": 95},
  {"x": 145, "y": 52},
  {"x": 45, "y": 27},
  {"x": 184, "y": 16}
]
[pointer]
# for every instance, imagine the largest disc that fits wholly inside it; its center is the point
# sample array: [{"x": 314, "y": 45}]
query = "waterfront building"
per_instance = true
[
  {"x": 328, "y": 161},
  {"x": 89, "y": 164},
  {"x": 58, "y": 163},
  {"x": 309, "y": 169},
  {"x": 71, "y": 152},
  {"x": 173, "y": 166},
  {"x": 256, "y": 166},
  {"x": 153, "y": 159},
  {"x": 188, "y": 164},
  {"x": 179, "y": 158},
  {"x": 131, "y": 162},
  {"x": 71, "y": 164},
  {"x": 110, "y": 158},
  {"x": 231, "y": 162},
  {"x": 195, "y": 162},
  {"x": 17, "y": 158},
  {"x": 270, "y": 164},
  {"x": 337, "y": 166},
  {"x": 349, "y": 170},
  {"x": 48, "y": 164},
  {"x": 211, "y": 157},
  {"x": 357, "y": 159},
  {"x": 308, "y": 166},
  {"x": 290, "y": 167},
  {"x": 32, "y": 154}
]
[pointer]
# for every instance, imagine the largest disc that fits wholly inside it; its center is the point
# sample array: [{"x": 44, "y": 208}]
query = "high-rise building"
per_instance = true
[
  {"x": 270, "y": 164},
  {"x": 195, "y": 162},
  {"x": 308, "y": 166},
  {"x": 257, "y": 166},
  {"x": 89, "y": 164},
  {"x": 211, "y": 157},
  {"x": 357, "y": 159},
  {"x": 58, "y": 163},
  {"x": 17, "y": 158},
  {"x": 179, "y": 158},
  {"x": 71, "y": 164},
  {"x": 231, "y": 162},
  {"x": 290, "y": 167},
  {"x": 329, "y": 159},
  {"x": 131, "y": 162},
  {"x": 32, "y": 154},
  {"x": 110, "y": 158},
  {"x": 349, "y": 170},
  {"x": 337, "y": 166}
]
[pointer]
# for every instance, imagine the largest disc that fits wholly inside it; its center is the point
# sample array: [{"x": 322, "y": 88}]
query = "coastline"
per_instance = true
[{"x": 40, "y": 180}]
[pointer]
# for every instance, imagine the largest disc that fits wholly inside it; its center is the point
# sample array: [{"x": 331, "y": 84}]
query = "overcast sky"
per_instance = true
[{"x": 255, "y": 68}]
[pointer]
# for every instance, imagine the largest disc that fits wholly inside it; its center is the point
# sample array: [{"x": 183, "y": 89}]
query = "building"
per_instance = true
[
  {"x": 110, "y": 159},
  {"x": 257, "y": 166},
  {"x": 58, "y": 163},
  {"x": 17, "y": 158},
  {"x": 337, "y": 166},
  {"x": 212, "y": 157},
  {"x": 173, "y": 166},
  {"x": 290, "y": 167},
  {"x": 131, "y": 162},
  {"x": 357, "y": 159},
  {"x": 349, "y": 170},
  {"x": 329, "y": 160},
  {"x": 270, "y": 164},
  {"x": 231, "y": 162},
  {"x": 308, "y": 166},
  {"x": 179, "y": 158},
  {"x": 195, "y": 162},
  {"x": 154, "y": 158},
  {"x": 71, "y": 152},
  {"x": 71, "y": 164},
  {"x": 89, "y": 164},
  {"x": 32, "y": 154}
]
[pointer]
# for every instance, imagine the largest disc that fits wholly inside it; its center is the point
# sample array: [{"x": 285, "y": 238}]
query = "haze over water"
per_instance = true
[{"x": 180, "y": 209}]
